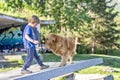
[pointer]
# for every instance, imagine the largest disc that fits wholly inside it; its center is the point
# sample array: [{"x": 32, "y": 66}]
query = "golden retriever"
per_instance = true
[{"x": 61, "y": 46}]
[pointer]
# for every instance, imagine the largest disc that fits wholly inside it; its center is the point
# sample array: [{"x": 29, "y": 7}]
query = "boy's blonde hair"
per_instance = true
[{"x": 34, "y": 19}]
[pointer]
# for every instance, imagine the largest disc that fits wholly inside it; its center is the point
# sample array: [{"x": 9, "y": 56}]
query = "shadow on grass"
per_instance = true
[{"x": 9, "y": 64}]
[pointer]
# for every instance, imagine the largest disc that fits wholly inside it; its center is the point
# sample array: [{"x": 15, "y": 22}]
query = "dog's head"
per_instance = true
[{"x": 50, "y": 39}]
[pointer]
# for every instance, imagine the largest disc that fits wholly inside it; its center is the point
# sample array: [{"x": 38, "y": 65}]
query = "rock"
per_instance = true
[{"x": 109, "y": 70}]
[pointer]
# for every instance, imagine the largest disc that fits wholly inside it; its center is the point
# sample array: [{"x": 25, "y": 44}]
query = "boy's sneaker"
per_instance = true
[
  {"x": 44, "y": 67},
  {"x": 25, "y": 72}
]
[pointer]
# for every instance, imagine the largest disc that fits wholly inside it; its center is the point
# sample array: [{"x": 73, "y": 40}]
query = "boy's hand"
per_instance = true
[{"x": 36, "y": 42}]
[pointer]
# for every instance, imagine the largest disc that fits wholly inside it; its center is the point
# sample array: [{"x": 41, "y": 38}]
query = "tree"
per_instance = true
[
  {"x": 91, "y": 20},
  {"x": 104, "y": 30},
  {"x": 69, "y": 15}
]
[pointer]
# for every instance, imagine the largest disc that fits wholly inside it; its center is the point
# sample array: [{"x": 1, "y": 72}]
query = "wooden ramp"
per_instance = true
[
  {"x": 17, "y": 72},
  {"x": 59, "y": 71}
]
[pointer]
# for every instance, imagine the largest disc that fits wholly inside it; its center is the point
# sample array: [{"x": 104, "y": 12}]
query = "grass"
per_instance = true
[
  {"x": 12, "y": 67},
  {"x": 109, "y": 62},
  {"x": 99, "y": 70},
  {"x": 8, "y": 69}
]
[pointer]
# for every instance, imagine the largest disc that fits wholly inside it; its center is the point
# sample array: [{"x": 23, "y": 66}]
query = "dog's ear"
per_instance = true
[{"x": 53, "y": 39}]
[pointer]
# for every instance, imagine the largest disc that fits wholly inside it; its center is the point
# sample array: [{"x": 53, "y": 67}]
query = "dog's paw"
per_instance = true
[
  {"x": 62, "y": 65},
  {"x": 71, "y": 62},
  {"x": 59, "y": 66}
]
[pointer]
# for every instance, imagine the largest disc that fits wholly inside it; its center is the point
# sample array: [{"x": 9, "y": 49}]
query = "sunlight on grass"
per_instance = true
[
  {"x": 100, "y": 70},
  {"x": 8, "y": 69}
]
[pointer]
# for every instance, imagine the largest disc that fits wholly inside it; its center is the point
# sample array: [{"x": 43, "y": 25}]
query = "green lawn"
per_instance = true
[
  {"x": 12, "y": 67},
  {"x": 109, "y": 62}
]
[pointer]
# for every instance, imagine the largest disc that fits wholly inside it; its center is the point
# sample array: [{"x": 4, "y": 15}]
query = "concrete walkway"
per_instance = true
[{"x": 35, "y": 68}]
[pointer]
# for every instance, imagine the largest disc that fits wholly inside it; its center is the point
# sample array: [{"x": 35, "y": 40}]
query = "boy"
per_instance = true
[{"x": 29, "y": 39}]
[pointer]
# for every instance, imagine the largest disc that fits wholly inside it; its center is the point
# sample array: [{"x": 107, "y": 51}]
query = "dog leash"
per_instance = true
[
  {"x": 42, "y": 50},
  {"x": 39, "y": 47}
]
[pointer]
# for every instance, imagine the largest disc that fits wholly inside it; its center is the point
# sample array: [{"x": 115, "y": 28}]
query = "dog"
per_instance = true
[{"x": 61, "y": 46}]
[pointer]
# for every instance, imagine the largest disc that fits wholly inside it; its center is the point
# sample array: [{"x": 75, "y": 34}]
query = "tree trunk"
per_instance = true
[
  {"x": 93, "y": 38},
  {"x": 93, "y": 47},
  {"x": 87, "y": 50},
  {"x": 105, "y": 50},
  {"x": 81, "y": 49}
]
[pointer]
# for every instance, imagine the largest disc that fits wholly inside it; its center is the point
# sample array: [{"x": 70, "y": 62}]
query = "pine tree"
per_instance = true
[{"x": 104, "y": 26}]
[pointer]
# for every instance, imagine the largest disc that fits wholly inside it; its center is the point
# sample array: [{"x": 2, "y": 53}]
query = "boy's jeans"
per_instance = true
[{"x": 31, "y": 53}]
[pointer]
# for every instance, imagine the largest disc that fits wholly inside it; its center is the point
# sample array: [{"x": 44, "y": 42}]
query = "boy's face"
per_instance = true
[{"x": 34, "y": 24}]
